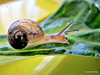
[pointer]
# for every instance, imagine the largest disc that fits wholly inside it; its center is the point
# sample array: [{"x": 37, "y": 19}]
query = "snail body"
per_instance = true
[{"x": 27, "y": 33}]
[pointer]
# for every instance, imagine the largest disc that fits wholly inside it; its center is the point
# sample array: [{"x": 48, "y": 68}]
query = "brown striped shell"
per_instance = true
[{"x": 23, "y": 31}]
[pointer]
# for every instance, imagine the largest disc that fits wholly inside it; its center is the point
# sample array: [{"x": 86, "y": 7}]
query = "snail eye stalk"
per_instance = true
[
  {"x": 64, "y": 30},
  {"x": 70, "y": 31},
  {"x": 69, "y": 25}
]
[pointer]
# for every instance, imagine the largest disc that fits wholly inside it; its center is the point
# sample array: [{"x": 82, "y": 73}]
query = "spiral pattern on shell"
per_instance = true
[{"x": 23, "y": 31}]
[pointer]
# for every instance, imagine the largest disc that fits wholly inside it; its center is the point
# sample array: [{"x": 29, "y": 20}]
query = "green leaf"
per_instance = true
[{"x": 85, "y": 42}]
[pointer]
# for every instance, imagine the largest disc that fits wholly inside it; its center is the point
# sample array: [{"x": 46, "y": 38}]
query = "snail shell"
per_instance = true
[{"x": 23, "y": 31}]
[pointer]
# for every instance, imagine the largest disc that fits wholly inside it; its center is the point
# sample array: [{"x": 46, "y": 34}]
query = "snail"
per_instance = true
[{"x": 25, "y": 33}]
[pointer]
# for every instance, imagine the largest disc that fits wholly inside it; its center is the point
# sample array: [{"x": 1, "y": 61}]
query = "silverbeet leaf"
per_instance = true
[{"x": 86, "y": 15}]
